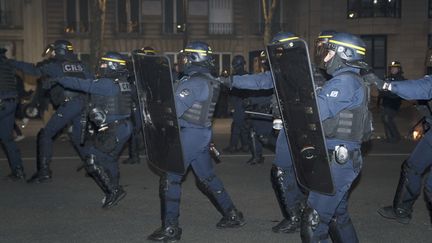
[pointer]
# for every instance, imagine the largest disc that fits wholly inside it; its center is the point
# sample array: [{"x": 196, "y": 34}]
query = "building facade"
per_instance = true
[{"x": 392, "y": 29}]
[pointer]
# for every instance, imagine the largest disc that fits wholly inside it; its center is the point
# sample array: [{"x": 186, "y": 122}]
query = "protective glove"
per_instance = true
[{"x": 369, "y": 77}]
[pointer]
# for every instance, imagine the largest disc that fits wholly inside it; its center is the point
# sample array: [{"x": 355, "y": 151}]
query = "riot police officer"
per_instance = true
[
  {"x": 61, "y": 62},
  {"x": 195, "y": 97},
  {"x": 343, "y": 107},
  {"x": 8, "y": 103},
  {"x": 419, "y": 161},
  {"x": 109, "y": 112},
  {"x": 288, "y": 193},
  {"x": 238, "y": 129},
  {"x": 391, "y": 103}
]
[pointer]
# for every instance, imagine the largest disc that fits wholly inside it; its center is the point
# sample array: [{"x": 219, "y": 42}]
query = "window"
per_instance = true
[
  {"x": 222, "y": 62},
  {"x": 220, "y": 17},
  {"x": 174, "y": 16},
  {"x": 376, "y": 53},
  {"x": 5, "y": 13},
  {"x": 430, "y": 9},
  {"x": 128, "y": 16},
  {"x": 77, "y": 16},
  {"x": 374, "y": 8}
]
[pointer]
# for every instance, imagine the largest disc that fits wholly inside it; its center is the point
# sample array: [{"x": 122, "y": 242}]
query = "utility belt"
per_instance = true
[{"x": 341, "y": 155}]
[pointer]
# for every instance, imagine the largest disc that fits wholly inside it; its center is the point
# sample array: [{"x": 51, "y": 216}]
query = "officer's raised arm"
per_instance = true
[{"x": 412, "y": 89}]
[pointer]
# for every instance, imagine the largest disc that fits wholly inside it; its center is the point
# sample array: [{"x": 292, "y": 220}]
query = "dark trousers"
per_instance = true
[
  {"x": 336, "y": 206},
  {"x": 196, "y": 152},
  {"x": 391, "y": 131},
  {"x": 282, "y": 159},
  {"x": 68, "y": 113},
  {"x": 7, "y": 120},
  {"x": 106, "y": 155}
]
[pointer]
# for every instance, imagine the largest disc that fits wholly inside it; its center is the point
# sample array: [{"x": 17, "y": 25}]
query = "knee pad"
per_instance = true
[
  {"x": 90, "y": 164},
  {"x": 277, "y": 172},
  {"x": 310, "y": 218},
  {"x": 208, "y": 185}
]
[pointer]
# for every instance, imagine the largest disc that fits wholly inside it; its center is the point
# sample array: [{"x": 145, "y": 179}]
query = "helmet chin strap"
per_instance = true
[{"x": 335, "y": 64}]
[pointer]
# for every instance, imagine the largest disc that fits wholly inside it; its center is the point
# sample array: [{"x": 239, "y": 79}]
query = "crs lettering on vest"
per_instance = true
[
  {"x": 72, "y": 68},
  {"x": 124, "y": 87}
]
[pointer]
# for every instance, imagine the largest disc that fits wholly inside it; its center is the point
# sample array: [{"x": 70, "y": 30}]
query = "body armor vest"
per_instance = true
[
  {"x": 72, "y": 69},
  {"x": 201, "y": 113},
  {"x": 351, "y": 125},
  {"x": 7, "y": 77},
  {"x": 119, "y": 105}
]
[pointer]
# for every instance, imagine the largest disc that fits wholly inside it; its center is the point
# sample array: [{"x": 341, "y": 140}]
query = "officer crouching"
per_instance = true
[{"x": 108, "y": 113}]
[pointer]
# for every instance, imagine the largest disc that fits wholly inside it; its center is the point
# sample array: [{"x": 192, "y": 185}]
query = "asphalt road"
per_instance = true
[{"x": 68, "y": 208}]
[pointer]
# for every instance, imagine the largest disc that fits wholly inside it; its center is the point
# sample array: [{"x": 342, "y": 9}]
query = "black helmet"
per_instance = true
[
  {"x": 321, "y": 46},
  {"x": 199, "y": 53},
  {"x": 147, "y": 50},
  {"x": 349, "y": 50},
  {"x": 112, "y": 65},
  {"x": 238, "y": 61},
  {"x": 60, "y": 48},
  {"x": 283, "y": 37},
  {"x": 395, "y": 64}
]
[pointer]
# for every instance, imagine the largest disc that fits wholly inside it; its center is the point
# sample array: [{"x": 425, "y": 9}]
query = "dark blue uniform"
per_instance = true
[
  {"x": 283, "y": 171},
  {"x": 420, "y": 160},
  {"x": 342, "y": 92},
  {"x": 8, "y": 104},
  {"x": 258, "y": 101},
  {"x": 69, "y": 106},
  {"x": 111, "y": 133},
  {"x": 195, "y": 140}
]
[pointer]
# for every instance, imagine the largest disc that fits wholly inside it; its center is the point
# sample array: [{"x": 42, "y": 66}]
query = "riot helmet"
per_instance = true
[
  {"x": 395, "y": 68},
  {"x": 147, "y": 50},
  {"x": 198, "y": 53},
  {"x": 112, "y": 65},
  {"x": 238, "y": 62},
  {"x": 283, "y": 37},
  {"x": 320, "y": 46},
  {"x": 59, "y": 49},
  {"x": 344, "y": 50}
]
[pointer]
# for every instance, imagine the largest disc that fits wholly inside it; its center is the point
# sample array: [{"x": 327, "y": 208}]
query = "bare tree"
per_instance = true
[
  {"x": 97, "y": 30},
  {"x": 268, "y": 18}
]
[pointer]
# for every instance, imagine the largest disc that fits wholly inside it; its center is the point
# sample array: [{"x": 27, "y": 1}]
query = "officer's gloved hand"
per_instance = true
[
  {"x": 226, "y": 81},
  {"x": 370, "y": 77}
]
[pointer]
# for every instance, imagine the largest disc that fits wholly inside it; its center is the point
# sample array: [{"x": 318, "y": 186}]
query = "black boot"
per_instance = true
[
  {"x": 43, "y": 173},
  {"x": 231, "y": 219},
  {"x": 17, "y": 174},
  {"x": 403, "y": 201},
  {"x": 292, "y": 216},
  {"x": 341, "y": 233},
  {"x": 113, "y": 192},
  {"x": 170, "y": 233},
  {"x": 290, "y": 224},
  {"x": 256, "y": 160},
  {"x": 131, "y": 161}
]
